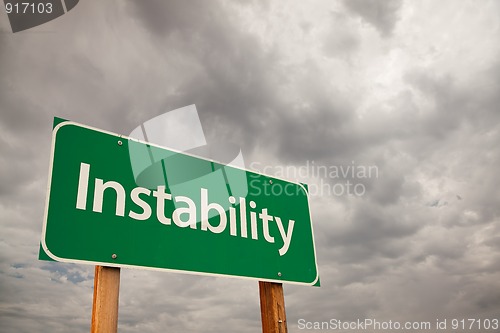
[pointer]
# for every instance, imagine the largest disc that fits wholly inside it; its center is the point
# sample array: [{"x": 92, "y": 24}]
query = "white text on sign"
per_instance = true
[{"x": 186, "y": 216}]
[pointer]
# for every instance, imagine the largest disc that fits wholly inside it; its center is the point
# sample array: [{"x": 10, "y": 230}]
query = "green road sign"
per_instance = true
[{"x": 117, "y": 201}]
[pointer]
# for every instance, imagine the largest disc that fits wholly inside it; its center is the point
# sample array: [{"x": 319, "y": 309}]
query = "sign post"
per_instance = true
[
  {"x": 272, "y": 307},
  {"x": 105, "y": 303}
]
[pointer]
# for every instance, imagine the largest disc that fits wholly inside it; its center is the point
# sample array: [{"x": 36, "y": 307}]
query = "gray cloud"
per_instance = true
[
  {"x": 342, "y": 40},
  {"x": 227, "y": 71},
  {"x": 383, "y": 15}
]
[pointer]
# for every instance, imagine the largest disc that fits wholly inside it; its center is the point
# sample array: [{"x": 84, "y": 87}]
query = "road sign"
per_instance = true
[{"x": 117, "y": 201}]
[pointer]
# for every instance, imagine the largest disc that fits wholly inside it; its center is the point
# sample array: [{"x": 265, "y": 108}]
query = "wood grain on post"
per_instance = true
[
  {"x": 105, "y": 305},
  {"x": 272, "y": 307}
]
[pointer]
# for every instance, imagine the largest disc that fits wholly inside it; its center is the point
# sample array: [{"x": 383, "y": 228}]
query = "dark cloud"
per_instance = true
[
  {"x": 371, "y": 231},
  {"x": 227, "y": 75},
  {"x": 164, "y": 18},
  {"x": 383, "y": 15}
]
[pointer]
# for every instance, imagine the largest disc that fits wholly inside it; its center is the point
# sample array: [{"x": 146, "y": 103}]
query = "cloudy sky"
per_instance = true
[{"x": 408, "y": 87}]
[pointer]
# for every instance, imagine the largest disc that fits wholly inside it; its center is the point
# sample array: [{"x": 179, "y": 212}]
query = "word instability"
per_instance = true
[{"x": 187, "y": 216}]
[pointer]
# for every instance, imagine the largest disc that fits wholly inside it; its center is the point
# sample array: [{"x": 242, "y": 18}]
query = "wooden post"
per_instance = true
[
  {"x": 105, "y": 305},
  {"x": 272, "y": 307}
]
